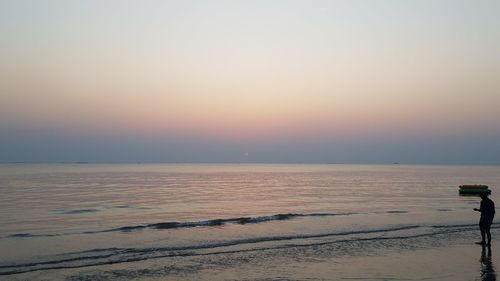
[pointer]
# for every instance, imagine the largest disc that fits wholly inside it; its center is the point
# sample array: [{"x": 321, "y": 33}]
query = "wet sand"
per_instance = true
[{"x": 424, "y": 258}]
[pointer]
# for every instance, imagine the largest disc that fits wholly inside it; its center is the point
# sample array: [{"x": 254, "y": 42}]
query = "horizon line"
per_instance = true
[{"x": 247, "y": 163}]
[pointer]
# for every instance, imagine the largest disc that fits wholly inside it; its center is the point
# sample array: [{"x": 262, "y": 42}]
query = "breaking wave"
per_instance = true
[
  {"x": 108, "y": 256},
  {"x": 188, "y": 224},
  {"x": 121, "y": 255}
]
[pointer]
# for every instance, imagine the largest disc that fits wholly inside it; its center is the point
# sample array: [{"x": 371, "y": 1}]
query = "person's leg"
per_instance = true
[
  {"x": 488, "y": 233},
  {"x": 483, "y": 233}
]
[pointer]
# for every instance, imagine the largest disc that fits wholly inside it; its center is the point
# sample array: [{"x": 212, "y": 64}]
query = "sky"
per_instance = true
[{"x": 412, "y": 82}]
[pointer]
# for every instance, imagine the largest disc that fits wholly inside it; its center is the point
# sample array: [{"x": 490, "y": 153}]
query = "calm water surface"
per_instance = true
[{"x": 63, "y": 217}]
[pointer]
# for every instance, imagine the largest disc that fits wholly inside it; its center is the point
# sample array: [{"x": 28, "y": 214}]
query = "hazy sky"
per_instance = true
[{"x": 250, "y": 81}]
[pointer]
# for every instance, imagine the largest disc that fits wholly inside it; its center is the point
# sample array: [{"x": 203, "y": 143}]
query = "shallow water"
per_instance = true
[{"x": 58, "y": 218}]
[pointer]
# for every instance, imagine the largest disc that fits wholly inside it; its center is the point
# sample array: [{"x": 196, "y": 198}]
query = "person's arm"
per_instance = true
[
  {"x": 493, "y": 213},
  {"x": 480, "y": 207}
]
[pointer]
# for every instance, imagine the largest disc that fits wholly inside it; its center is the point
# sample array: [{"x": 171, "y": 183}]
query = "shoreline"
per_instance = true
[{"x": 427, "y": 258}]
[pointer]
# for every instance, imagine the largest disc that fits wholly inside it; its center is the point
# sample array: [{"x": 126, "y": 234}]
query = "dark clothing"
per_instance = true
[
  {"x": 485, "y": 224},
  {"x": 487, "y": 210}
]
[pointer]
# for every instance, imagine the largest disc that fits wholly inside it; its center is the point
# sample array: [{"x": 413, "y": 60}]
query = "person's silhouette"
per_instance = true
[{"x": 487, "y": 209}]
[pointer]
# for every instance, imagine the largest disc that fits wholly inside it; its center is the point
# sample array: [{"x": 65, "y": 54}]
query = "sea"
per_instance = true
[{"x": 224, "y": 221}]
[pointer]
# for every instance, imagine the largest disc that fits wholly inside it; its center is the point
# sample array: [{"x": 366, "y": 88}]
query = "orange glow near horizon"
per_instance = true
[{"x": 219, "y": 73}]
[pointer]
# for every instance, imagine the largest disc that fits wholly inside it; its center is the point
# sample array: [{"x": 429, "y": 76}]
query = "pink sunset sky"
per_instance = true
[{"x": 258, "y": 81}]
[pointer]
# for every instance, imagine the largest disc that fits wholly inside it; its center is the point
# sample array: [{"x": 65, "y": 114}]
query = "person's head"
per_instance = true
[{"x": 483, "y": 195}]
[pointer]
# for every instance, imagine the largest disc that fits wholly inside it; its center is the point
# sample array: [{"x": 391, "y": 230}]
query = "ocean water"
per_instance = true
[{"x": 165, "y": 221}]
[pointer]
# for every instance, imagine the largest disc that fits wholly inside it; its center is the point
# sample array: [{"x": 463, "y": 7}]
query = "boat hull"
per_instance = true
[{"x": 473, "y": 191}]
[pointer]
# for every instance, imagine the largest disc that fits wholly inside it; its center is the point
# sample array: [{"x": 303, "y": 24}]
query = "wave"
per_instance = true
[
  {"x": 22, "y": 235},
  {"x": 31, "y": 235},
  {"x": 494, "y": 225},
  {"x": 397, "y": 212},
  {"x": 120, "y": 255},
  {"x": 220, "y": 222},
  {"x": 80, "y": 211},
  {"x": 109, "y": 256},
  {"x": 188, "y": 224}
]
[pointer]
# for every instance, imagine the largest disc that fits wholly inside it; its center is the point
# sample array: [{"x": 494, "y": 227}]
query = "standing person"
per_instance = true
[{"x": 487, "y": 209}]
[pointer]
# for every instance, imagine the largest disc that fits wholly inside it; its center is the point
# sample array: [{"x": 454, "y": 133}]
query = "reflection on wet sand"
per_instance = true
[{"x": 487, "y": 270}]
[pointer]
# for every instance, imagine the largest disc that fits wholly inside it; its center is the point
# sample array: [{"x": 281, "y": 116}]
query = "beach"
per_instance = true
[
  {"x": 460, "y": 260},
  {"x": 249, "y": 140},
  {"x": 243, "y": 222}
]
